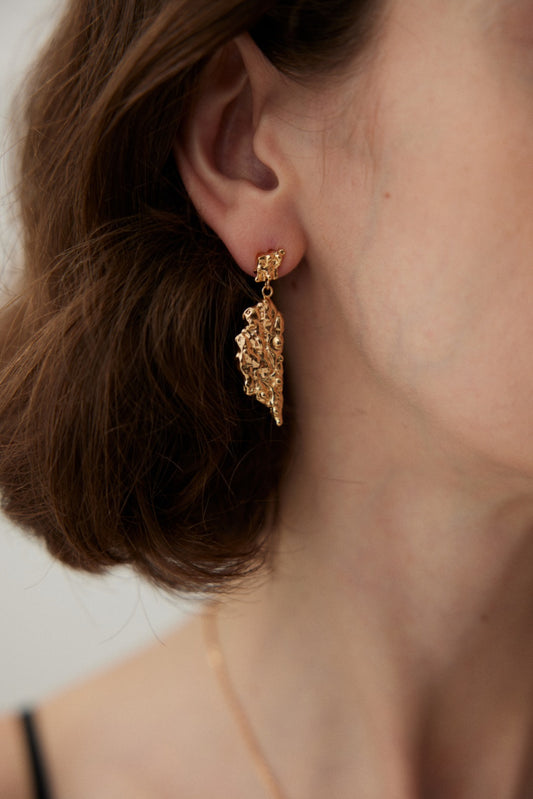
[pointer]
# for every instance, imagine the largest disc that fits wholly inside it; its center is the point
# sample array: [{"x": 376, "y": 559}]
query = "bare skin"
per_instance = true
[
  {"x": 390, "y": 652},
  {"x": 152, "y": 726}
]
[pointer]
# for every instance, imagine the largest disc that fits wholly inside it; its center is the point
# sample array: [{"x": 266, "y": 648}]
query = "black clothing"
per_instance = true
[{"x": 35, "y": 756}]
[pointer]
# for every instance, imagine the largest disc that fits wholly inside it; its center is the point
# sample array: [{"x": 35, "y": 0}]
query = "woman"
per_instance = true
[{"x": 372, "y": 557}]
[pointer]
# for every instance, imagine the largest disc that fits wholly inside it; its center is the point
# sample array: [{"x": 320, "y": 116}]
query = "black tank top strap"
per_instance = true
[{"x": 35, "y": 756}]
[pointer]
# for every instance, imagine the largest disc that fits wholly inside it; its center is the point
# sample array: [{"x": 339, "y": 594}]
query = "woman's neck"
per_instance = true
[{"x": 391, "y": 647}]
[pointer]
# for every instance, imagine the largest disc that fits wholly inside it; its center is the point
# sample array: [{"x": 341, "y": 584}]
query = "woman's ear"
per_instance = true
[{"x": 231, "y": 157}]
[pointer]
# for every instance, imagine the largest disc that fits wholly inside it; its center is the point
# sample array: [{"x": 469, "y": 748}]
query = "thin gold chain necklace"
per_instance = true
[{"x": 217, "y": 661}]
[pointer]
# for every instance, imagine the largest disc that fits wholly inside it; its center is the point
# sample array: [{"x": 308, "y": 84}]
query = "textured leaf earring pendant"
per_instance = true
[{"x": 260, "y": 343}]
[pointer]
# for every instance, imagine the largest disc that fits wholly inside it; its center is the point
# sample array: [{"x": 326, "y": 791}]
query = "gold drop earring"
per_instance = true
[{"x": 260, "y": 343}]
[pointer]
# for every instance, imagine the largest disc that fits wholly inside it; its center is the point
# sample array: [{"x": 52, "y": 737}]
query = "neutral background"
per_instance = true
[{"x": 55, "y": 626}]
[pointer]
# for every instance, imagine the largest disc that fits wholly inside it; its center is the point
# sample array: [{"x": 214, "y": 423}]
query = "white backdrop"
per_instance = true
[{"x": 55, "y": 626}]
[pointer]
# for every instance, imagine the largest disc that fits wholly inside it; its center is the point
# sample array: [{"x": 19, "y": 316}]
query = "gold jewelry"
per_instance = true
[
  {"x": 260, "y": 343},
  {"x": 217, "y": 662}
]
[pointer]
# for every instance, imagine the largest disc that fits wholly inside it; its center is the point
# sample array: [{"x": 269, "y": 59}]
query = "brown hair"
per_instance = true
[{"x": 125, "y": 434}]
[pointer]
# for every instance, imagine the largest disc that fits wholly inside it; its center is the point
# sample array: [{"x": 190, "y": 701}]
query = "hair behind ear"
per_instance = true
[{"x": 125, "y": 433}]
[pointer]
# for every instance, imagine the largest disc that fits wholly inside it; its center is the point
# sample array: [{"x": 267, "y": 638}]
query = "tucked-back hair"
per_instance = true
[{"x": 125, "y": 434}]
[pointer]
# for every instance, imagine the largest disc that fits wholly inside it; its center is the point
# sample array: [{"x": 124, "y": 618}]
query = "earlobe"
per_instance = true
[{"x": 246, "y": 200}]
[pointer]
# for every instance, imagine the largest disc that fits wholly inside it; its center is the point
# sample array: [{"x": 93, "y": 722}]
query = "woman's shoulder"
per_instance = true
[{"x": 125, "y": 731}]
